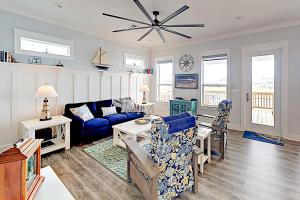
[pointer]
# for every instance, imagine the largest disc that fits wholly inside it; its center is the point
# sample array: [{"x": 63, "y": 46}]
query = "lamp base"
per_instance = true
[
  {"x": 46, "y": 119},
  {"x": 45, "y": 116},
  {"x": 144, "y": 98}
]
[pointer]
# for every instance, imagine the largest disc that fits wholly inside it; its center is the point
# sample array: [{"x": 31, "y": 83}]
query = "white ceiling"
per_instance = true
[{"x": 219, "y": 16}]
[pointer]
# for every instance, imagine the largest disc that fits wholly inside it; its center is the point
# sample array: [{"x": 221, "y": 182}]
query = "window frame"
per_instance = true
[
  {"x": 210, "y": 53},
  {"x": 157, "y": 62},
  {"x": 18, "y": 34},
  {"x": 134, "y": 56}
]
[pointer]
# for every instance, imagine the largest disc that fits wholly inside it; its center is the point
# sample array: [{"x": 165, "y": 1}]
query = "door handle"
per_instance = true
[{"x": 248, "y": 97}]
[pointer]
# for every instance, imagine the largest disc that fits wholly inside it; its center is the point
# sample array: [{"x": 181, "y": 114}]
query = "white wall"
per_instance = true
[
  {"x": 78, "y": 81},
  {"x": 86, "y": 46},
  {"x": 235, "y": 44},
  {"x": 19, "y": 83}
]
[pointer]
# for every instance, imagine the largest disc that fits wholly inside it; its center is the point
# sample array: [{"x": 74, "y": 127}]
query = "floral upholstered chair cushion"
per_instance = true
[
  {"x": 221, "y": 120},
  {"x": 171, "y": 149}
]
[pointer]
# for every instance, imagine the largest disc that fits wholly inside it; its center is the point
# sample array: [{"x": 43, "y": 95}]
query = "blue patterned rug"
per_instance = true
[
  {"x": 263, "y": 138},
  {"x": 112, "y": 157}
]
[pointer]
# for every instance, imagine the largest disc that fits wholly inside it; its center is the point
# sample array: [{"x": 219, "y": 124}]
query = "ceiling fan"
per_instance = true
[{"x": 155, "y": 24}]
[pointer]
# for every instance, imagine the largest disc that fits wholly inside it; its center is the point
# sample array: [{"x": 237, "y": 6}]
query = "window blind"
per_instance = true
[{"x": 214, "y": 57}]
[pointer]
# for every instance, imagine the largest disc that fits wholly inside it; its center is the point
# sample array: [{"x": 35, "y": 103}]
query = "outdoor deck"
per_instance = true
[
  {"x": 263, "y": 116},
  {"x": 262, "y": 104}
]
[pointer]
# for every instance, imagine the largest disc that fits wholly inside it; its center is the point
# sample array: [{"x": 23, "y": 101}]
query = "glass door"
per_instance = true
[{"x": 263, "y": 96}]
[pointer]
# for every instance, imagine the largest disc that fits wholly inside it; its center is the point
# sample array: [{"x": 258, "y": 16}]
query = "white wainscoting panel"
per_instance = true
[
  {"x": 106, "y": 92},
  {"x": 94, "y": 87},
  {"x": 133, "y": 87},
  {"x": 81, "y": 85},
  {"x": 6, "y": 105},
  {"x": 65, "y": 89},
  {"x": 125, "y": 86},
  {"x": 115, "y": 86},
  {"x": 19, "y": 82}
]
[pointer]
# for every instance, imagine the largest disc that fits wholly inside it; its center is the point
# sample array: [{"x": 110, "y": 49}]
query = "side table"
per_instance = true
[
  {"x": 204, "y": 134},
  {"x": 62, "y": 125},
  {"x": 147, "y": 108}
]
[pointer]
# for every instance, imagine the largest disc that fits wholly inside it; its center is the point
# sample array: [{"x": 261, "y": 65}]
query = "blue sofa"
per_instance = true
[{"x": 100, "y": 126}]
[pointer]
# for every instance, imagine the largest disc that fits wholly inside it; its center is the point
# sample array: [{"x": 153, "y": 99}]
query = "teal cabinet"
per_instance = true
[{"x": 180, "y": 106}]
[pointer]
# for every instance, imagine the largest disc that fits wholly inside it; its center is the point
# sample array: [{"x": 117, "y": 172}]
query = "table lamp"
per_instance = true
[
  {"x": 144, "y": 88},
  {"x": 46, "y": 91}
]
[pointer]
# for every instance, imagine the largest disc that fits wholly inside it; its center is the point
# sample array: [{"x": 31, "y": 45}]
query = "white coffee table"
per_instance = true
[{"x": 130, "y": 129}]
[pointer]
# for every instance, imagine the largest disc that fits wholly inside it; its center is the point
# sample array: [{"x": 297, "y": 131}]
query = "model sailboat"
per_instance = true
[{"x": 101, "y": 60}]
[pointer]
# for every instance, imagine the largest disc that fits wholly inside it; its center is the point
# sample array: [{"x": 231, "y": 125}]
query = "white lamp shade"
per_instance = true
[
  {"x": 144, "y": 88},
  {"x": 46, "y": 91}
]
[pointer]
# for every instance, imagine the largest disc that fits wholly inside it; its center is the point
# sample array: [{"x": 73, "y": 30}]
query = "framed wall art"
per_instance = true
[{"x": 186, "y": 81}]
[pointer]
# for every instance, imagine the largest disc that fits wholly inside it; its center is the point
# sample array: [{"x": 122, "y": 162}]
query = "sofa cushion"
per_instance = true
[
  {"x": 116, "y": 118},
  {"x": 133, "y": 115},
  {"x": 96, "y": 123},
  {"x": 100, "y": 104},
  {"x": 128, "y": 106},
  {"x": 83, "y": 112},
  {"x": 109, "y": 110},
  {"x": 90, "y": 105}
]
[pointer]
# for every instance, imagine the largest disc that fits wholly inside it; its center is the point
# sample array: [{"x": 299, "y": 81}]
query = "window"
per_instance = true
[
  {"x": 214, "y": 79},
  {"x": 36, "y": 44},
  {"x": 133, "y": 61},
  {"x": 164, "y": 80}
]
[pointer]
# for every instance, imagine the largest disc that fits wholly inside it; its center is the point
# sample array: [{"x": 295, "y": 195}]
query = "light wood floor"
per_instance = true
[{"x": 251, "y": 170}]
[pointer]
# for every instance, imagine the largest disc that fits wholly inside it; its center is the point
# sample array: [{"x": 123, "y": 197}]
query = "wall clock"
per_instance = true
[{"x": 186, "y": 63}]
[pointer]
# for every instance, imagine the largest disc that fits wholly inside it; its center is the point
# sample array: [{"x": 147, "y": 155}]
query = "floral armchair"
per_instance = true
[
  {"x": 219, "y": 124},
  {"x": 169, "y": 164}
]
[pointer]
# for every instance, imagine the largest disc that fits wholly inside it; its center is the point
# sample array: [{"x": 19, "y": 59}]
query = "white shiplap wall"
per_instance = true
[{"x": 19, "y": 82}]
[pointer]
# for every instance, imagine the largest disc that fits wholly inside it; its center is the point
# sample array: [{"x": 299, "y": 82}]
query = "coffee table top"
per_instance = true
[{"x": 133, "y": 128}]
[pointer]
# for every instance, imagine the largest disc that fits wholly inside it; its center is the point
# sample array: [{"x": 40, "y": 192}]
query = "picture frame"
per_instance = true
[{"x": 186, "y": 81}]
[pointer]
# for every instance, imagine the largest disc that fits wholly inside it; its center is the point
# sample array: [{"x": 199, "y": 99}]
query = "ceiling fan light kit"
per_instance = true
[{"x": 155, "y": 24}]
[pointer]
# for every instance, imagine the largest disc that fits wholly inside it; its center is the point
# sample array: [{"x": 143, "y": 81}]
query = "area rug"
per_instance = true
[
  {"x": 112, "y": 157},
  {"x": 263, "y": 138}
]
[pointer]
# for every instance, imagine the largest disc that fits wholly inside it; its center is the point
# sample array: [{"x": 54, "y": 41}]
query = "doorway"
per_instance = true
[{"x": 263, "y": 90}]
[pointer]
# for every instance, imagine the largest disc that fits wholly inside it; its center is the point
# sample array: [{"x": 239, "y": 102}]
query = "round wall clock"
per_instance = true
[{"x": 186, "y": 63}]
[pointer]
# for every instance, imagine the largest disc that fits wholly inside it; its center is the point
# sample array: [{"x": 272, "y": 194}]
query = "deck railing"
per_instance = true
[
  {"x": 263, "y": 100},
  {"x": 213, "y": 97}
]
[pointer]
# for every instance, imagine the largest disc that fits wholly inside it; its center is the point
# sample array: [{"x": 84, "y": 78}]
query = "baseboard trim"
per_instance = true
[
  {"x": 236, "y": 127},
  {"x": 292, "y": 136}
]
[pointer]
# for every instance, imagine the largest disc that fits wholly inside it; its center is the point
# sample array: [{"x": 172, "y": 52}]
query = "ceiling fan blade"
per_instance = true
[
  {"x": 130, "y": 29},
  {"x": 174, "y": 14},
  {"x": 161, "y": 35},
  {"x": 185, "y": 25},
  {"x": 131, "y": 20},
  {"x": 144, "y": 10},
  {"x": 148, "y": 32},
  {"x": 176, "y": 33}
]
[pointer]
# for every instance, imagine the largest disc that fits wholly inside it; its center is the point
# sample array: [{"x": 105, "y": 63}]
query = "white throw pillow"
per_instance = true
[
  {"x": 109, "y": 110},
  {"x": 128, "y": 106},
  {"x": 83, "y": 112}
]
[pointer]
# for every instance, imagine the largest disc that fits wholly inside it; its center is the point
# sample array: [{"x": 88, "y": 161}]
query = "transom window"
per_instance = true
[
  {"x": 28, "y": 44},
  {"x": 36, "y": 44},
  {"x": 165, "y": 80},
  {"x": 214, "y": 79},
  {"x": 134, "y": 61}
]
